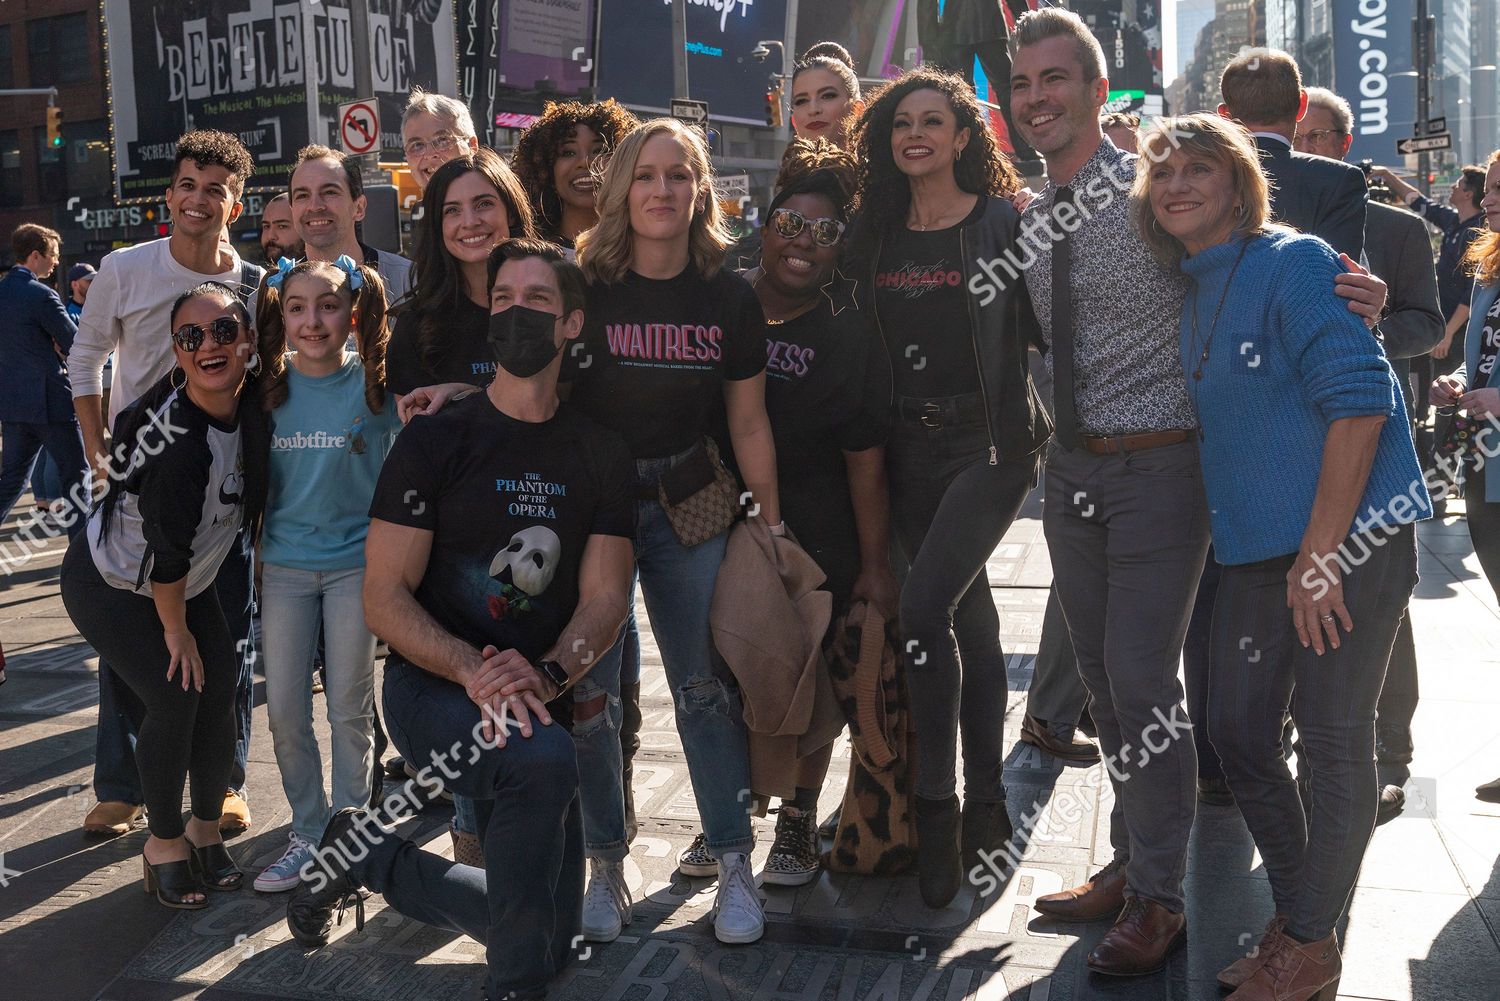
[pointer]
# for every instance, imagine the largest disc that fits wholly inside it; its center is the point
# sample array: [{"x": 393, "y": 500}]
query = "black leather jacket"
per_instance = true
[{"x": 1002, "y": 329}]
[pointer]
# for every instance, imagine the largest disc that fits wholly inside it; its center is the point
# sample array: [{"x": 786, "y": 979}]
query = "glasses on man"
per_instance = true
[
  {"x": 1319, "y": 135},
  {"x": 440, "y": 143},
  {"x": 223, "y": 329},
  {"x": 789, "y": 222}
]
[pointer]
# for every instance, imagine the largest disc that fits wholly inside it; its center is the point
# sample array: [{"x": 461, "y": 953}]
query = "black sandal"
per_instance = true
[
  {"x": 215, "y": 867},
  {"x": 172, "y": 882}
]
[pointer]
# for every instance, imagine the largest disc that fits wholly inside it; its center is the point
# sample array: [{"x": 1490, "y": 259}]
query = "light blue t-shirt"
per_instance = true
[{"x": 326, "y": 453}]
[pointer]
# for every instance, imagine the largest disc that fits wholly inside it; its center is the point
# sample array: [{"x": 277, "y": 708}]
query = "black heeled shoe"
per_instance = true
[
  {"x": 215, "y": 867},
  {"x": 172, "y": 882},
  {"x": 939, "y": 869}
]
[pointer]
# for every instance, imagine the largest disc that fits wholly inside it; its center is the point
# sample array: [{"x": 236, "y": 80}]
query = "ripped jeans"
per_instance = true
[{"x": 678, "y": 583}]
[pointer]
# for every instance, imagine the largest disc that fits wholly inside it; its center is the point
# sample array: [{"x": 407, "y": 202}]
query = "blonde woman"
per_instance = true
[
  {"x": 1313, "y": 488},
  {"x": 670, "y": 337}
]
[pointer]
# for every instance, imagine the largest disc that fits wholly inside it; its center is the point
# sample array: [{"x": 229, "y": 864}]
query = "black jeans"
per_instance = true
[
  {"x": 951, "y": 507},
  {"x": 179, "y": 734},
  {"x": 1484, "y": 525},
  {"x": 1260, "y": 672},
  {"x": 1196, "y": 654}
]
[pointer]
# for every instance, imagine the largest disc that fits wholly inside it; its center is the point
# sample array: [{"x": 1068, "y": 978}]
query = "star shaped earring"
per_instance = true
[{"x": 840, "y": 292}]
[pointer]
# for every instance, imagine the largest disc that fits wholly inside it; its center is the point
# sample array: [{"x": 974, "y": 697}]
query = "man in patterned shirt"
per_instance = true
[{"x": 1125, "y": 516}]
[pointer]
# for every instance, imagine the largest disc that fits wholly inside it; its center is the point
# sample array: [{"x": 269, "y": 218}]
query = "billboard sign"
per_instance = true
[
  {"x": 1372, "y": 47},
  {"x": 250, "y": 67},
  {"x": 635, "y": 54},
  {"x": 531, "y": 45}
]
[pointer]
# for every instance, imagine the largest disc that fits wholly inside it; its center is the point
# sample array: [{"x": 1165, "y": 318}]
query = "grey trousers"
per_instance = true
[
  {"x": 1127, "y": 536},
  {"x": 1057, "y": 694}
]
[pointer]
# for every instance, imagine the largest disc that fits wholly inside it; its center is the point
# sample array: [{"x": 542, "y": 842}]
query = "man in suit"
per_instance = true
[
  {"x": 1400, "y": 253},
  {"x": 36, "y": 402},
  {"x": 1262, "y": 90}
]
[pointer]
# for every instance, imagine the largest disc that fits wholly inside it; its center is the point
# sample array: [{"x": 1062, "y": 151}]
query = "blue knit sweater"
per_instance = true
[{"x": 1287, "y": 359}]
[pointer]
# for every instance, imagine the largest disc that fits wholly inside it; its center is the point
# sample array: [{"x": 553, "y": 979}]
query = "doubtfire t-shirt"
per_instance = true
[
  {"x": 654, "y": 354},
  {"x": 511, "y": 506}
]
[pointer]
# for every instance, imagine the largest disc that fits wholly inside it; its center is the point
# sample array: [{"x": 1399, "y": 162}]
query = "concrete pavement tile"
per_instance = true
[
  {"x": 1418, "y": 946},
  {"x": 1408, "y": 854}
]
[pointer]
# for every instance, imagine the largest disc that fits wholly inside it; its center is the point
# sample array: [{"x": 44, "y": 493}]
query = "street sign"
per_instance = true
[
  {"x": 1436, "y": 125},
  {"x": 692, "y": 112},
  {"x": 359, "y": 126},
  {"x": 1422, "y": 144}
]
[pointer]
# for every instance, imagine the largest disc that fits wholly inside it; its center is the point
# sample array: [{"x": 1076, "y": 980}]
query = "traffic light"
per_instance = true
[
  {"x": 773, "y": 105},
  {"x": 54, "y": 128}
]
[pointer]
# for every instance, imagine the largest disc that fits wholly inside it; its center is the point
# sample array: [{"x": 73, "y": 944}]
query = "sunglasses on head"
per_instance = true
[
  {"x": 789, "y": 222},
  {"x": 224, "y": 329}
]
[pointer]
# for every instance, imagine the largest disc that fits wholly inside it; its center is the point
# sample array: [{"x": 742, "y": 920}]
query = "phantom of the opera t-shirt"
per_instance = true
[{"x": 511, "y": 506}]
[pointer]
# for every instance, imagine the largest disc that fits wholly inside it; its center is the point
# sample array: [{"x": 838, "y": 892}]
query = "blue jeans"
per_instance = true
[
  {"x": 678, "y": 584},
  {"x": 46, "y": 478},
  {"x": 21, "y": 442},
  {"x": 293, "y": 603},
  {"x": 526, "y": 904},
  {"x": 115, "y": 777},
  {"x": 601, "y": 761}
]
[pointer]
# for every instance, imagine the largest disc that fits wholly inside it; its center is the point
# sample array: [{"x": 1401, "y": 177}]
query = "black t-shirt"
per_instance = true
[
  {"x": 467, "y": 356},
  {"x": 510, "y": 505},
  {"x": 924, "y": 311},
  {"x": 1489, "y": 346},
  {"x": 827, "y": 392},
  {"x": 654, "y": 355}
]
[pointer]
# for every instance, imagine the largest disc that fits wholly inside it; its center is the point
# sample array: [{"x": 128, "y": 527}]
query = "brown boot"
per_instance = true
[
  {"x": 235, "y": 818},
  {"x": 1242, "y": 969},
  {"x": 1063, "y": 742},
  {"x": 467, "y": 848},
  {"x": 1099, "y": 898},
  {"x": 111, "y": 818},
  {"x": 1143, "y": 937},
  {"x": 1296, "y": 971}
]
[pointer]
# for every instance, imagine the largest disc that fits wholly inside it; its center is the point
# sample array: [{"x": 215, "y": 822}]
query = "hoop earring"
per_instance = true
[
  {"x": 172, "y": 377},
  {"x": 253, "y": 365}
]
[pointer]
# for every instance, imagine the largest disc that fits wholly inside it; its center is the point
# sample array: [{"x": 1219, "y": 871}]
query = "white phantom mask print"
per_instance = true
[{"x": 532, "y": 557}]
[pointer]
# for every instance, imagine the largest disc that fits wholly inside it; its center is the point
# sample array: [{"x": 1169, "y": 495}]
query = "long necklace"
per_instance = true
[{"x": 1213, "y": 325}]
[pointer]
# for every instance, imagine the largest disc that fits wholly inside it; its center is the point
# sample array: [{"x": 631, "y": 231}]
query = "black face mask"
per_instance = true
[{"x": 521, "y": 338}]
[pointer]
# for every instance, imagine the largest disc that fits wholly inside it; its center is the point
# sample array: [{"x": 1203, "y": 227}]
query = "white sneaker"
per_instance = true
[
  {"x": 285, "y": 872},
  {"x": 606, "y": 905},
  {"x": 738, "y": 915}
]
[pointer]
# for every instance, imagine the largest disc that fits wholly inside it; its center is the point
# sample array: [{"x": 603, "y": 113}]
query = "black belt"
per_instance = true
[{"x": 939, "y": 412}]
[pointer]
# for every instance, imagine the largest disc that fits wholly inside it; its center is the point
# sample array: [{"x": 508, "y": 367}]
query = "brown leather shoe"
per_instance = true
[
  {"x": 1072, "y": 747},
  {"x": 1296, "y": 971},
  {"x": 112, "y": 818},
  {"x": 236, "y": 816},
  {"x": 1099, "y": 898},
  {"x": 1242, "y": 969},
  {"x": 1141, "y": 940}
]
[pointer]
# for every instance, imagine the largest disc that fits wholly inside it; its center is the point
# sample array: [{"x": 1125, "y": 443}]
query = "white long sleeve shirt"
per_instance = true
[{"x": 128, "y": 312}]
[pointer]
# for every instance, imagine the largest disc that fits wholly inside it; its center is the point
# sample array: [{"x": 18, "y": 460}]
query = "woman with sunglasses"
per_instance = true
[
  {"x": 139, "y": 582},
  {"x": 555, "y": 159},
  {"x": 827, "y": 387},
  {"x": 967, "y": 428}
]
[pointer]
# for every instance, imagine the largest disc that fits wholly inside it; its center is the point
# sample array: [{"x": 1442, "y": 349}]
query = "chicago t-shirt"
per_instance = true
[
  {"x": 465, "y": 357},
  {"x": 654, "y": 354},
  {"x": 511, "y": 505},
  {"x": 827, "y": 393},
  {"x": 924, "y": 310}
]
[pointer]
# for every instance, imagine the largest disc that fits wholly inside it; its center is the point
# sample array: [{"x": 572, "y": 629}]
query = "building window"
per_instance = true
[
  {"x": 10, "y": 168},
  {"x": 7, "y": 72},
  {"x": 59, "y": 50},
  {"x": 86, "y": 152}
]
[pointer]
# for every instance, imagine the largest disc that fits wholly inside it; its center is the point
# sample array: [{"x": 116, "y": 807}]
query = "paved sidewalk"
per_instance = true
[{"x": 1424, "y": 924}]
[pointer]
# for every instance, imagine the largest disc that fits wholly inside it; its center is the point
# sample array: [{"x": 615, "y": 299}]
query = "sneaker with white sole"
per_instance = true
[
  {"x": 286, "y": 872},
  {"x": 697, "y": 860},
  {"x": 738, "y": 915},
  {"x": 795, "y": 859},
  {"x": 606, "y": 905}
]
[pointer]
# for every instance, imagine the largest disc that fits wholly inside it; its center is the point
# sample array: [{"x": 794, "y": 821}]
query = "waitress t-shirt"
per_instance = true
[{"x": 654, "y": 354}]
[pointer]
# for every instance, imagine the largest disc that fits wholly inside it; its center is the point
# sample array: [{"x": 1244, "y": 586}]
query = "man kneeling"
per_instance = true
[{"x": 498, "y": 564}]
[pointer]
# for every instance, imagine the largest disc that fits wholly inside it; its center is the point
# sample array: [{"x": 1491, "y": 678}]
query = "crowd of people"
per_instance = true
[{"x": 477, "y": 455}]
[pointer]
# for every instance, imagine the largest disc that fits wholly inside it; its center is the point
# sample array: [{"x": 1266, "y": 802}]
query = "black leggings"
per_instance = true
[{"x": 179, "y": 733}]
